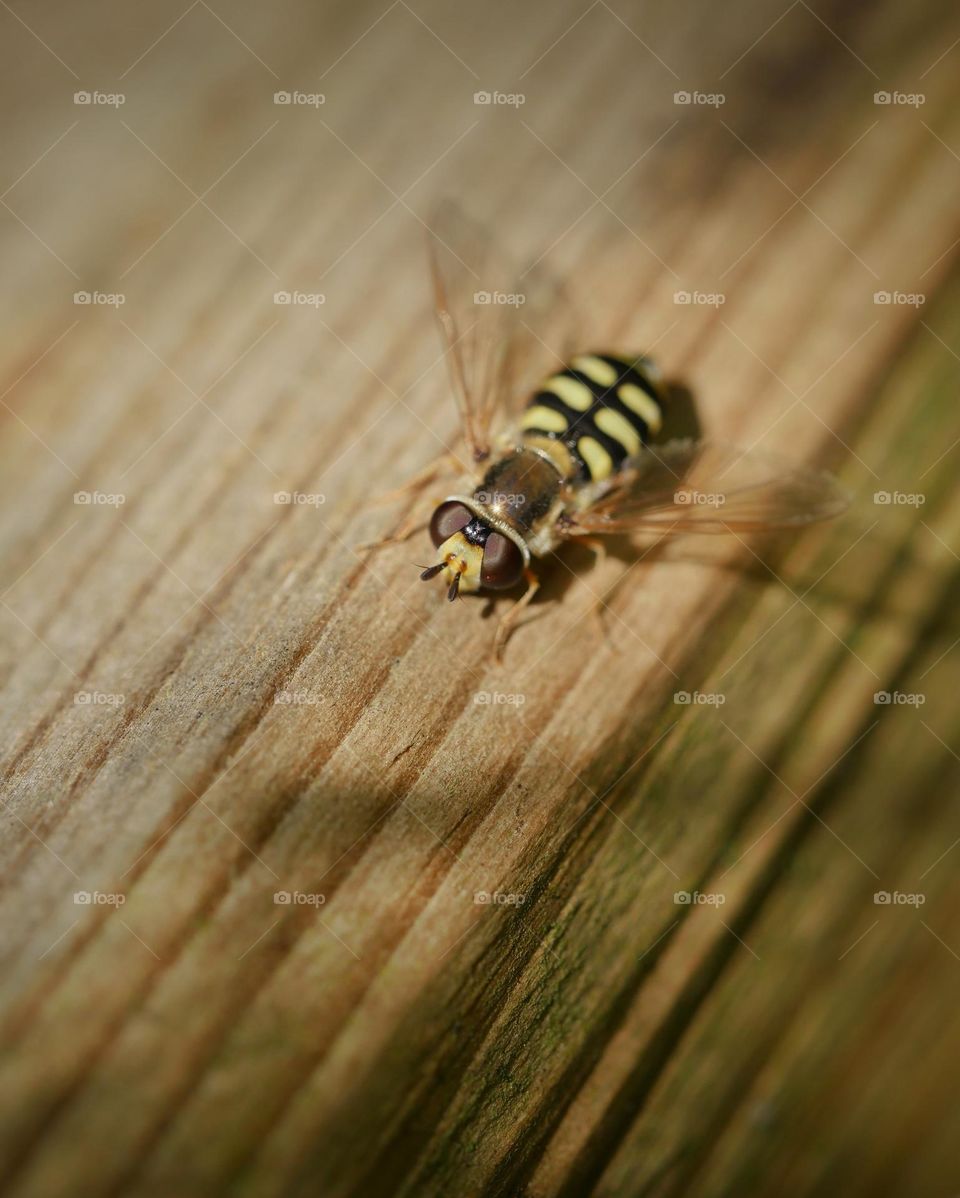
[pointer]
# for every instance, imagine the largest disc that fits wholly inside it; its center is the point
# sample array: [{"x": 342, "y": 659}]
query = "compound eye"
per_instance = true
[
  {"x": 502, "y": 563},
  {"x": 449, "y": 518}
]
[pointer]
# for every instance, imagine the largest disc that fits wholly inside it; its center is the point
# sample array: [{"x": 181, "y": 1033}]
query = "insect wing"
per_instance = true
[
  {"x": 494, "y": 327},
  {"x": 710, "y": 487}
]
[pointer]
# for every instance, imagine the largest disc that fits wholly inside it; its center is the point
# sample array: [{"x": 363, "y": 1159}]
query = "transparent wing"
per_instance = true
[
  {"x": 496, "y": 328},
  {"x": 710, "y": 487}
]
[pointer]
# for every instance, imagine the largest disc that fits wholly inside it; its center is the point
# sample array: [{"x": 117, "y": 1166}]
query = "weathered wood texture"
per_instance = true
[{"x": 298, "y": 715}]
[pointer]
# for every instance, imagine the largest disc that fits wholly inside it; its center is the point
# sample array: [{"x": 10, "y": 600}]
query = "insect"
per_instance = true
[{"x": 585, "y": 457}]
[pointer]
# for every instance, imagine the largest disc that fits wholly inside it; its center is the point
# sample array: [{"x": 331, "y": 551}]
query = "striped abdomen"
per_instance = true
[{"x": 603, "y": 408}]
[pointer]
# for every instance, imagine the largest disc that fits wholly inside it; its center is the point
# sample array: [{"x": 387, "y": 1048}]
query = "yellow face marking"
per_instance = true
[
  {"x": 464, "y": 558},
  {"x": 640, "y": 402},
  {"x": 545, "y": 418},
  {"x": 598, "y": 460},
  {"x": 616, "y": 425},
  {"x": 578, "y": 395},
  {"x": 596, "y": 369}
]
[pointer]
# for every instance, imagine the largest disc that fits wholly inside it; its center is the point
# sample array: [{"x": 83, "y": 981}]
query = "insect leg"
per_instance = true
[
  {"x": 510, "y": 618},
  {"x": 446, "y": 463},
  {"x": 597, "y": 546},
  {"x": 413, "y": 523}
]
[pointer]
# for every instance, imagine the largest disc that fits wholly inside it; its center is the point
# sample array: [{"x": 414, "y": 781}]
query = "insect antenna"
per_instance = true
[
  {"x": 432, "y": 571},
  {"x": 454, "y": 587}
]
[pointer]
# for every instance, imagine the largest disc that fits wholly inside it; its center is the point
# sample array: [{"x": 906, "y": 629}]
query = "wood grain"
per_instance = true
[{"x": 277, "y": 710}]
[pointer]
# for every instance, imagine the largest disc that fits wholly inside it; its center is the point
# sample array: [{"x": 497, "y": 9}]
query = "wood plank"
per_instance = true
[{"x": 400, "y": 1037}]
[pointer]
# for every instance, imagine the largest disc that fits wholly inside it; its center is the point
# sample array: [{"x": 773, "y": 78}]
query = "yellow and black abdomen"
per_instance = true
[{"x": 602, "y": 408}]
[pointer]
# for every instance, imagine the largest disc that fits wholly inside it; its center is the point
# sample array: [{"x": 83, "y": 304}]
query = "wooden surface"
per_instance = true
[{"x": 276, "y": 710}]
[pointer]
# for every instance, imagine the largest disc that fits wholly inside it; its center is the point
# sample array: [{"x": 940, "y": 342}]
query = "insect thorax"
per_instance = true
[{"x": 521, "y": 489}]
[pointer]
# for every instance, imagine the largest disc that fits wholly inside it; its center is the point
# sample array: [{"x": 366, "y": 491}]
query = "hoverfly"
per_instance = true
[{"x": 586, "y": 456}]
